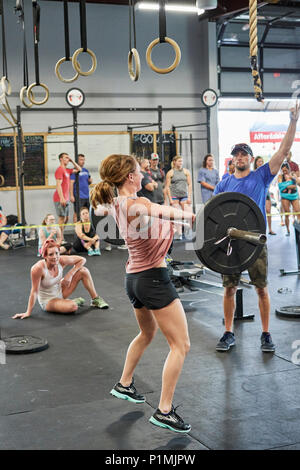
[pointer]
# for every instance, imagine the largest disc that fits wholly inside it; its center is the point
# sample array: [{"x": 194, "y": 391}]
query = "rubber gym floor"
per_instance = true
[{"x": 59, "y": 398}]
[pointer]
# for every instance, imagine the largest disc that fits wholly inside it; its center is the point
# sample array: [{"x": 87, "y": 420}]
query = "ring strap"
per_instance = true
[
  {"x": 66, "y": 25},
  {"x": 36, "y": 38},
  {"x": 162, "y": 21},
  {"x": 25, "y": 58},
  {"x": 83, "y": 34},
  {"x": 4, "y": 59},
  {"x": 132, "y": 18}
]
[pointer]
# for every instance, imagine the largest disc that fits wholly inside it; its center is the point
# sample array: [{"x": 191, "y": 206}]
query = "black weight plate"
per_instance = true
[
  {"x": 220, "y": 213},
  {"x": 108, "y": 231},
  {"x": 292, "y": 311},
  {"x": 24, "y": 344}
]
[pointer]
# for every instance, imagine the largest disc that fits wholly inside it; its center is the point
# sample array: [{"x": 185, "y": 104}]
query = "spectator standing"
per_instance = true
[
  {"x": 62, "y": 192},
  {"x": 208, "y": 177},
  {"x": 258, "y": 162},
  {"x": 85, "y": 180},
  {"x": 179, "y": 189},
  {"x": 230, "y": 169},
  {"x": 293, "y": 166},
  {"x": 158, "y": 176},
  {"x": 148, "y": 185}
]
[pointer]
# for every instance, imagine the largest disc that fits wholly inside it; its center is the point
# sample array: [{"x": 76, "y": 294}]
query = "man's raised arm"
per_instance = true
[{"x": 286, "y": 143}]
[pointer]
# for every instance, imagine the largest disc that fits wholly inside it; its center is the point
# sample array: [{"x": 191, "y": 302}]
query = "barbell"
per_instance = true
[{"x": 228, "y": 233}]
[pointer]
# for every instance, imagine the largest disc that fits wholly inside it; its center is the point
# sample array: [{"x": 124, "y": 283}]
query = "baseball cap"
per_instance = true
[
  {"x": 154, "y": 156},
  {"x": 241, "y": 147}
]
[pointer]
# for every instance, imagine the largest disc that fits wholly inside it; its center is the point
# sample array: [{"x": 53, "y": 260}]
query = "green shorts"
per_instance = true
[{"x": 258, "y": 272}]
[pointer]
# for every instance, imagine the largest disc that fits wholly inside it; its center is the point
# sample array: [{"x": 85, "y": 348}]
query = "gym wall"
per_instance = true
[{"x": 110, "y": 85}]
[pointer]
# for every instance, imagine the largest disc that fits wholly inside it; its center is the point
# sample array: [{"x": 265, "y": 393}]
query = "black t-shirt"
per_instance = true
[
  {"x": 144, "y": 192},
  {"x": 158, "y": 176}
]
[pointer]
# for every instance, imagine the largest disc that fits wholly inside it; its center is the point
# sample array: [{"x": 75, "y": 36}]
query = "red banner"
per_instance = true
[{"x": 269, "y": 136}]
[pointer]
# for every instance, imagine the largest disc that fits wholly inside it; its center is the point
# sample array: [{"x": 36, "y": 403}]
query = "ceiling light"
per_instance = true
[{"x": 178, "y": 8}]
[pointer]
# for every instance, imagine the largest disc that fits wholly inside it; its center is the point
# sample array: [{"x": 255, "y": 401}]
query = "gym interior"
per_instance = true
[{"x": 55, "y": 392}]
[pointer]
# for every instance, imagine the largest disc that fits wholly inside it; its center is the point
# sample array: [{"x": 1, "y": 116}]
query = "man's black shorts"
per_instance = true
[{"x": 152, "y": 289}]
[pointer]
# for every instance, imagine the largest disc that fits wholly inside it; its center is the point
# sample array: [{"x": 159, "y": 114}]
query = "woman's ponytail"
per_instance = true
[{"x": 103, "y": 193}]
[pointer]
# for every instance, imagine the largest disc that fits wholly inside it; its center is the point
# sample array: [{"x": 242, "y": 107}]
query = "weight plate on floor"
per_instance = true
[
  {"x": 292, "y": 311},
  {"x": 24, "y": 344},
  {"x": 219, "y": 214}
]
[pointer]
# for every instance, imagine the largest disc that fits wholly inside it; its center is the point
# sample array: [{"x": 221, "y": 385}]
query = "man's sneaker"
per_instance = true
[
  {"x": 127, "y": 393},
  {"x": 267, "y": 344},
  {"x": 226, "y": 342},
  {"x": 79, "y": 301},
  {"x": 170, "y": 421},
  {"x": 108, "y": 248},
  {"x": 99, "y": 302}
]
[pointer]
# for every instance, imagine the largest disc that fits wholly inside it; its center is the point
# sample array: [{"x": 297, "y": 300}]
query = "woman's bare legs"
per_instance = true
[
  {"x": 84, "y": 275},
  {"x": 172, "y": 322},
  {"x": 296, "y": 208},
  {"x": 285, "y": 203},
  {"x": 148, "y": 328}
]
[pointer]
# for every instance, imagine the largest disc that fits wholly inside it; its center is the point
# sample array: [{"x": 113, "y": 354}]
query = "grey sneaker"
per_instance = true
[
  {"x": 99, "y": 302},
  {"x": 226, "y": 342},
  {"x": 127, "y": 393},
  {"x": 170, "y": 421},
  {"x": 267, "y": 344}
]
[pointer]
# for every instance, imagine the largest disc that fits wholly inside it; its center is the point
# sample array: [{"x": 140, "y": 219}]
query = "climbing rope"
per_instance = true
[{"x": 253, "y": 50}]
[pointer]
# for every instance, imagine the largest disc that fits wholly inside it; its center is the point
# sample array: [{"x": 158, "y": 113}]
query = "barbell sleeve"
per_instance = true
[{"x": 256, "y": 238}]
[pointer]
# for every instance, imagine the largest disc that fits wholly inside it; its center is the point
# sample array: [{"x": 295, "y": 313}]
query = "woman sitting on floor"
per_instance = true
[
  {"x": 86, "y": 239},
  {"x": 52, "y": 289},
  {"x": 50, "y": 231}
]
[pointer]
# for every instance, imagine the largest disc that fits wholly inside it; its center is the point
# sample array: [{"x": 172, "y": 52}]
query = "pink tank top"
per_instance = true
[{"x": 147, "y": 246}]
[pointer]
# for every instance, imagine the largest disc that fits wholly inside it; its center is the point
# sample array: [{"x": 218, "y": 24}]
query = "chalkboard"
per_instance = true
[
  {"x": 169, "y": 146},
  {"x": 142, "y": 145},
  {"x": 95, "y": 147},
  {"x": 34, "y": 161},
  {"x": 7, "y": 161}
]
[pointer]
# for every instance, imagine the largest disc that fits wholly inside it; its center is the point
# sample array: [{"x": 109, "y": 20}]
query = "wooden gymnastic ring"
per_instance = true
[
  {"x": 2, "y": 180},
  {"x": 58, "y": 74},
  {"x": 133, "y": 53},
  {"x": 30, "y": 94},
  {"x": 7, "y": 108},
  {"x": 22, "y": 97},
  {"x": 76, "y": 64},
  {"x": 6, "y": 86},
  {"x": 176, "y": 61}
]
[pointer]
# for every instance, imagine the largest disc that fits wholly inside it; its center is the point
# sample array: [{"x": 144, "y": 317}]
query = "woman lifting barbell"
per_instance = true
[{"x": 148, "y": 231}]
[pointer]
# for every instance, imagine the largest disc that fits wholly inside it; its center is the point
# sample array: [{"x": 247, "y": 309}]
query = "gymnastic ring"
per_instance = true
[
  {"x": 133, "y": 53},
  {"x": 76, "y": 64},
  {"x": 22, "y": 98},
  {"x": 2, "y": 180},
  {"x": 176, "y": 61},
  {"x": 5, "y": 104},
  {"x": 30, "y": 94},
  {"x": 6, "y": 86},
  {"x": 58, "y": 74}
]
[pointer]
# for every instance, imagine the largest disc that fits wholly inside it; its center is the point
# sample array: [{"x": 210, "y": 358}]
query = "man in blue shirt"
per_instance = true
[
  {"x": 253, "y": 184},
  {"x": 84, "y": 181}
]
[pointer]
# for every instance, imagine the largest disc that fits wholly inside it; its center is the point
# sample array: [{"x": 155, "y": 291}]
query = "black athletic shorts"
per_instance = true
[{"x": 152, "y": 289}]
